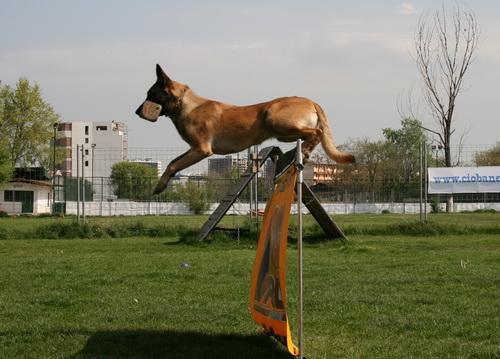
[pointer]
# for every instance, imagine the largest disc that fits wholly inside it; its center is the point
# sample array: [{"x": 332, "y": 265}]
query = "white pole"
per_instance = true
[
  {"x": 83, "y": 184},
  {"x": 421, "y": 178},
  {"x": 250, "y": 204},
  {"x": 78, "y": 183},
  {"x": 300, "y": 295},
  {"x": 425, "y": 179},
  {"x": 256, "y": 185}
]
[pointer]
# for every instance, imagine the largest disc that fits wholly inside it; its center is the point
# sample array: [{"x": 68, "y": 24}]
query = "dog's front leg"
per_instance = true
[{"x": 178, "y": 164}]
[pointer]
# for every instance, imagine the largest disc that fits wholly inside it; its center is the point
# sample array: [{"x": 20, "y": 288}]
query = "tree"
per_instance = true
[
  {"x": 489, "y": 157},
  {"x": 371, "y": 155},
  {"x": 5, "y": 166},
  {"x": 133, "y": 180},
  {"x": 444, "y": 53},
  {"x": 27, "y": 123},
  {"x": 405, "y": 152}
]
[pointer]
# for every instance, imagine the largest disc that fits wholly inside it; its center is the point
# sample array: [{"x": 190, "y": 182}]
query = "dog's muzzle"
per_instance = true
[{"x": 149, "y": 111}]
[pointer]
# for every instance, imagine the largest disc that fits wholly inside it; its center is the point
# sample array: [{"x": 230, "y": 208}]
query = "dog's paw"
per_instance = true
[{"x": 160, "y": 187}]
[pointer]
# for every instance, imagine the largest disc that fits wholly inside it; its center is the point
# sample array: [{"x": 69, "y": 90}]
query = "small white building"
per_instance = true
[{"x": 26, "y": 196}]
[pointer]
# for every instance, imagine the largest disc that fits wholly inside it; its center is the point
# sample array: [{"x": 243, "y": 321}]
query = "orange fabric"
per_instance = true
[{"x": 268, "y": 289}]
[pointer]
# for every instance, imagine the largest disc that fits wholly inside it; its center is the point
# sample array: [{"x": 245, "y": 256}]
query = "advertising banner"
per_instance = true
[
  {"x": 268, "y": 304},
  {"x": 464, "y": 179}
]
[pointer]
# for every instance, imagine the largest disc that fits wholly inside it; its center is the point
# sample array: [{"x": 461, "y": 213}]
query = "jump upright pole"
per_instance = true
[{"x": 300, "y": 296}]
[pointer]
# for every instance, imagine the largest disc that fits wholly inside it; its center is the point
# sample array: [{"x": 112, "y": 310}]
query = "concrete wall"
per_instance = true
[
  {"x": 10, "y": 207},
  {"x": 119, "y": 208}
]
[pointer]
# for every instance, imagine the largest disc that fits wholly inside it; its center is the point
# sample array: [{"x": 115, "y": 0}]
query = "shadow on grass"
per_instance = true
[
  {"x": 311, "y": 236},
  {"x": 178, "y": 345}
]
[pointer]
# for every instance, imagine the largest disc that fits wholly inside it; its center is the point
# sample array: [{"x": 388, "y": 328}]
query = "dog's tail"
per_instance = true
[{"x": 327, "y": 140}]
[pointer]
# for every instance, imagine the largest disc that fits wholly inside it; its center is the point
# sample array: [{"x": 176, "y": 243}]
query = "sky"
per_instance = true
[{"x": 94, "y": 60}]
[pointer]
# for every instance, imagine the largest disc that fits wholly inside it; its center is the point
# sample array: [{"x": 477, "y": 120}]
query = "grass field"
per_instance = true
[
  {"x": 473, "y": 219},
  {"x": 375, "y": 297},
  {"x": 167, "y": 226}
]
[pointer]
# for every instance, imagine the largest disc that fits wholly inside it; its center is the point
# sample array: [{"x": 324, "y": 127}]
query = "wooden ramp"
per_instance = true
[
  {"x": 284, "y": 161},
  {"x": 235, "y": 192}
]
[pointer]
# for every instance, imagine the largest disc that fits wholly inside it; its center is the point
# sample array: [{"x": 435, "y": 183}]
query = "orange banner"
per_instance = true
[{"x": 268, "y": 289}]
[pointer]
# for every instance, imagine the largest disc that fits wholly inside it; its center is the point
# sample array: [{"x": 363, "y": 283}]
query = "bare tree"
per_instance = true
[{"x": 445, "y": 48}]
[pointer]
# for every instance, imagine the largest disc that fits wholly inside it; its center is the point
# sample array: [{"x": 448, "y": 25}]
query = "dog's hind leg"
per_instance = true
[
  {"x": 178, "y": 164},
  {"x": 311, "y": 137},
  {"x": 310, "y": 143}
]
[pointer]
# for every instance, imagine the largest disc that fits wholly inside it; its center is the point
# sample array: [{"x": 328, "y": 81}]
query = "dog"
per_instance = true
[{"x": 212, "y": 127}]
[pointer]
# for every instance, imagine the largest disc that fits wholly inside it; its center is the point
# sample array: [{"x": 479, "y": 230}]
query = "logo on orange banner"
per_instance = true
[{"x": 268, "y": 288}]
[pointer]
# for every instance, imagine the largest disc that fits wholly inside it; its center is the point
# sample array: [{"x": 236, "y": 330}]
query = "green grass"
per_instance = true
[
  {"x": 158, "y": 226},
  {"x": 475, "y": 219},
  {"x": 376, "y": 297}
]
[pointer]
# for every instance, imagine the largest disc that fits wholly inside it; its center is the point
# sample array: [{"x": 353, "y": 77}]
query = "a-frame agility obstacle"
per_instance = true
[
  {"x": 268, "y": 304},
  {"x": 282, "y": 162}
]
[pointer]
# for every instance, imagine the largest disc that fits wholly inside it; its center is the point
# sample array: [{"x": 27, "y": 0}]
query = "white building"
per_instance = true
[
  {"x": 24, "y": 196},
  {"x": 29, "y": 192},
  {"x": 104, "y": 144}
]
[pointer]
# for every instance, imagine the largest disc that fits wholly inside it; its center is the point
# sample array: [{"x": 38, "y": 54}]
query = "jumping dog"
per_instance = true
[{"x": 212, "y": 127}]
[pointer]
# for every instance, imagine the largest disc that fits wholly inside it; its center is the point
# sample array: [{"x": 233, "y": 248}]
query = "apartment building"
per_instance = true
[
  {"x": 104, "y": 144},
  {"x": 320, "y": 172},
  {"x": 223, "y": 166}
]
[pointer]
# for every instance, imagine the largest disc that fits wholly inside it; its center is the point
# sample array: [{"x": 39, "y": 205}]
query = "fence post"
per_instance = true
[
  {"x": 102, "y": 192},
  {"x": 425, "y": 179},
  {"x": 78, "y": 183},
  {"x": 421, "y": 175},
  {"x": 83, "y": 184}
]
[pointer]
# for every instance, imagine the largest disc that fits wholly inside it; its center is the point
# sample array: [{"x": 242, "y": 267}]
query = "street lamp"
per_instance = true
[{"x": 436, "y": 148}]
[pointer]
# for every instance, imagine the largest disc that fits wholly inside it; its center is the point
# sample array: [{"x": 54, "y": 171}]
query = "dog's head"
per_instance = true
[{"x": 164, "y": 98}]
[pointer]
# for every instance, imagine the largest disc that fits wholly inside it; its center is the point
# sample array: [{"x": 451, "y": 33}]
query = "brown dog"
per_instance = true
[{"x": 210, "y": 126}]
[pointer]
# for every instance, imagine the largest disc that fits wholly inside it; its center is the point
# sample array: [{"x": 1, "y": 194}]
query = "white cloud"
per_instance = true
[{"x": 407, "y": 8}]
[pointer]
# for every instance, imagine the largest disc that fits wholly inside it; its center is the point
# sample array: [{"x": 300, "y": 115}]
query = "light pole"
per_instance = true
[
  {"x": 92, "y": 175},
  {"x": 436, "y": 148}
]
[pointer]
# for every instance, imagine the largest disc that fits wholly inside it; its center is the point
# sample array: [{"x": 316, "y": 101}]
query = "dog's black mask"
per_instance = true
[{"x": 158, "y": 95}]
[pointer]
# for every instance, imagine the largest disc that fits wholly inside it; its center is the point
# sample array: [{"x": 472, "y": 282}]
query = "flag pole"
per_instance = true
[{"x": 300, "y": 296}]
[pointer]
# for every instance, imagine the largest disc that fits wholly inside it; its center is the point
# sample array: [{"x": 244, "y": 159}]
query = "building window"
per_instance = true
[
  {"x": 86, "y": 130},
  {"x": 86, "y": 152},
  {"x": 64, "y": 127},
  {"x": 8, "y": 196},
  {"x": 101, "y": 128},
  {"x": 86, "y": 163},
  {"x": 86, "y": 140}
]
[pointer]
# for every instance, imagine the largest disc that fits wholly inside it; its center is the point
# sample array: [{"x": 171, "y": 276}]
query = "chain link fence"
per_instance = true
[{"x": 86, "y": 177}]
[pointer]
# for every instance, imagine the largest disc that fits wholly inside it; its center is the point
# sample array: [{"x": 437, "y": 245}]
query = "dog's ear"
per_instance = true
[{"x": 162, "y": 77}]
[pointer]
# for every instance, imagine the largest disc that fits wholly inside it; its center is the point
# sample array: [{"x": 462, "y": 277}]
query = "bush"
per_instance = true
[
  {"x": 435, "y": 206},
  {"x": 70, "y": 230},
  {"x": 4, "y": 214},
  {"x": 386, "y": 211},
  {"x": 197, "y": 196},
  {"x": 485, "y": 210}
]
